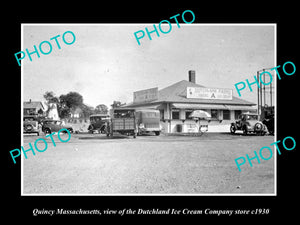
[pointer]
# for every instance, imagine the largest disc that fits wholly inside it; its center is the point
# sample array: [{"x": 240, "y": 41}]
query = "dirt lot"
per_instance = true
[{"x": 93, "y": 164}]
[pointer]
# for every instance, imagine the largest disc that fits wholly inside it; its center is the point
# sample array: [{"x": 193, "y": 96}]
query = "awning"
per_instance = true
[
  {"x": 241, "y": 107},
  {"x": 156, "y": 106},
  {"x": 198, "y": 106},
  {"x": 213, "y": 106}
]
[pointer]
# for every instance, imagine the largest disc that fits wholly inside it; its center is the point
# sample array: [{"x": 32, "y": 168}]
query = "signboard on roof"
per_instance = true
[
  {"x": 209, "y": 93},
  {"x": 145, "y": 95}
]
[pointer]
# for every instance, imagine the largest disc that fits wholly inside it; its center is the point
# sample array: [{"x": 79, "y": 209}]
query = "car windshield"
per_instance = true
[
  {"x": 29, "y": 119},
  {"x": 58, "y": 122},
  {"x": 252, "y": 117},
  {"x": 48, "y": 122},
  {"x": 96, "y": 119}
]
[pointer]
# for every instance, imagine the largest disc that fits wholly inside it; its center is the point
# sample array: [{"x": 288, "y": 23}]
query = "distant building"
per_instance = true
[
  {"x": 176, "y": 102},
  {"x": 33, "y": 108},
  {"x": 52, "y": 112},
  {"x": 77, "y": 113}
]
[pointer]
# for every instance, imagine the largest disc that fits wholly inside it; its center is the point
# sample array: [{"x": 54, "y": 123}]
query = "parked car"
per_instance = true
[
  {"x": 31, "y": 124},
  {"x": 98, "y": 123},
  {"x": 248, "y": 123},
  {"x": 148, "y": 120},
  {"x": 50, "y": 126}
]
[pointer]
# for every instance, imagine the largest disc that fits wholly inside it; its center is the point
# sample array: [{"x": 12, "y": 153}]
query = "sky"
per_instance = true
[{"x": 105, "y": 63}]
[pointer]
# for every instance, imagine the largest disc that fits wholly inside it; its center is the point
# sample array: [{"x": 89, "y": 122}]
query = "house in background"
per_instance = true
[
  {"x": 40, "y": 109},
  {"x": 77, "y": 113},
  {"x": 33, "y": 108}
]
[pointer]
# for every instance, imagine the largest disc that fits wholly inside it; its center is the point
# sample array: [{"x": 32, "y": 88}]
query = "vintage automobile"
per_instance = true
[
  {"x": 148, "y": 120},
  {"x": 122, "y": 121},
  {"x": 98, "y": 123},
  {"x": 248, "y": 122},
  {"x": 50, "y": 126},
  {"x": 31, "y": 124}
]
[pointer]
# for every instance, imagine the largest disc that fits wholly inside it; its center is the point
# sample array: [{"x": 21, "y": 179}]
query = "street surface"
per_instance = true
[{"x": 94, "y": 164}]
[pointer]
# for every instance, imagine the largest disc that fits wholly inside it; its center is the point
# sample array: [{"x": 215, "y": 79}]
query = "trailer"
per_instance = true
[{"x": 122, "y": 121}]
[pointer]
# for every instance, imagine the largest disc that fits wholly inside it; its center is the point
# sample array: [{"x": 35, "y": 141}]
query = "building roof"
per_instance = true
[
  {"x": 176, "y": 93},
  {"x": 33, "y": 104}
]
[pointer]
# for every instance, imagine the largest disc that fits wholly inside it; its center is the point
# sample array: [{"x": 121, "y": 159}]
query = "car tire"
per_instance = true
[
  {"x": 245, "y": 130},
  {"x": 28, "y": 128},
  {"x": 157, "y": 133},
  {"x": 139, "y": 133},
  {"x": 47, "y": 131},
  {"x": 103, "y": 129},
  {"x": 232, "y": 129}
]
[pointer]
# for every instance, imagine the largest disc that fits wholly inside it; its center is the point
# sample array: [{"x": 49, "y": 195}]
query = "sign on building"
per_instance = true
[
  {"x": 145, "y": 95},
  {"x": 209, "y": 93}
]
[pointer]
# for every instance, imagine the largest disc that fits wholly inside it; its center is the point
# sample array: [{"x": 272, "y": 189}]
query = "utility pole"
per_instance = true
[{"x": 261, "y": 94}]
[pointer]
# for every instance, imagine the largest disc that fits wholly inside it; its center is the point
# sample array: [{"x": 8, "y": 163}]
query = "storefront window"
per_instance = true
[
  {"x": 187, "y": 114},
  {"x": 175, "y": 114},
  {"x": 237, "y": 113},
  {"x": 214, "y": 114},
  {"x": 226, "y": 115}
]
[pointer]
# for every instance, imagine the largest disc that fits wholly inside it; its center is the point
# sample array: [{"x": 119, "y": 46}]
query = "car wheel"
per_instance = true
[
  {"x": 29, "y": 128},
  {"x": 157, "y": 133},
  {"x": 91, "y": 129},
  {"x": 245, "y": 130},
  {"x": 47, "y": 131},
  {"x": 103, "y": 130},
  {"x": 232, "y": 129},
  {"x": 139, "y": 133}
]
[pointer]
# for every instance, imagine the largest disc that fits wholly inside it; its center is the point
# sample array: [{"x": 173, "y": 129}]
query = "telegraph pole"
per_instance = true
[{"x": 261, "y": 94}]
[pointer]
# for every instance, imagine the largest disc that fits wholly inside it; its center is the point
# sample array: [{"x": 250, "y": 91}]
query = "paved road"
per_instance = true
[{"x": 93, "y": 164}]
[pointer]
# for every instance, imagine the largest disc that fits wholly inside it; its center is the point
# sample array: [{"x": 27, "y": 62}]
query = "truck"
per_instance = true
[
  {"x": 148, "y": 120},
  {"x": 123, "y": 121}
]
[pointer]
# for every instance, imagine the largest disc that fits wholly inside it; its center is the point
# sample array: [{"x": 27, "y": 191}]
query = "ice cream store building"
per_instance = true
[{"x": 177, "y": 102}]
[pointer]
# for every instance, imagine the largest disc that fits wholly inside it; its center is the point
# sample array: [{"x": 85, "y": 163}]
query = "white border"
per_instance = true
[{"x": 142, "y": 194}]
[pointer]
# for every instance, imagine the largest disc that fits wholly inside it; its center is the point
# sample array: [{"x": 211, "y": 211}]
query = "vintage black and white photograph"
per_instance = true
[{"x": 148, "y": 109}]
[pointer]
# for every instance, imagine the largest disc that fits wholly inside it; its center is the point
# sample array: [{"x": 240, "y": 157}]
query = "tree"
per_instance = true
[
  {"x": 50, "y": 97},
  {"x": 101, "y": 108},
  {"x": 69, "y": 103},
  {"x": 87, "y": 110},
  {"x": 72, "y": 100},
  {"x": 116, "y": 104}
]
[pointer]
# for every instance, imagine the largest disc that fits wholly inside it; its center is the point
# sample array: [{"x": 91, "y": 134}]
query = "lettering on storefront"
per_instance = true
[
  {"x": 209, "y": 93},
  {"x": 145, "y": 95}
]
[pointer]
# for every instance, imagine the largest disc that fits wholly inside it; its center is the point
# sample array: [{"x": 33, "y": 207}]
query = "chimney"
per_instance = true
[{"x": 192, "y": 76}]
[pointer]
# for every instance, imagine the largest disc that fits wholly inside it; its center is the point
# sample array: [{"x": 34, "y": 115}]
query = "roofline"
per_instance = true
[
  {"x": 160, "y": 102},
  {"x": 39, "y": 102}
]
